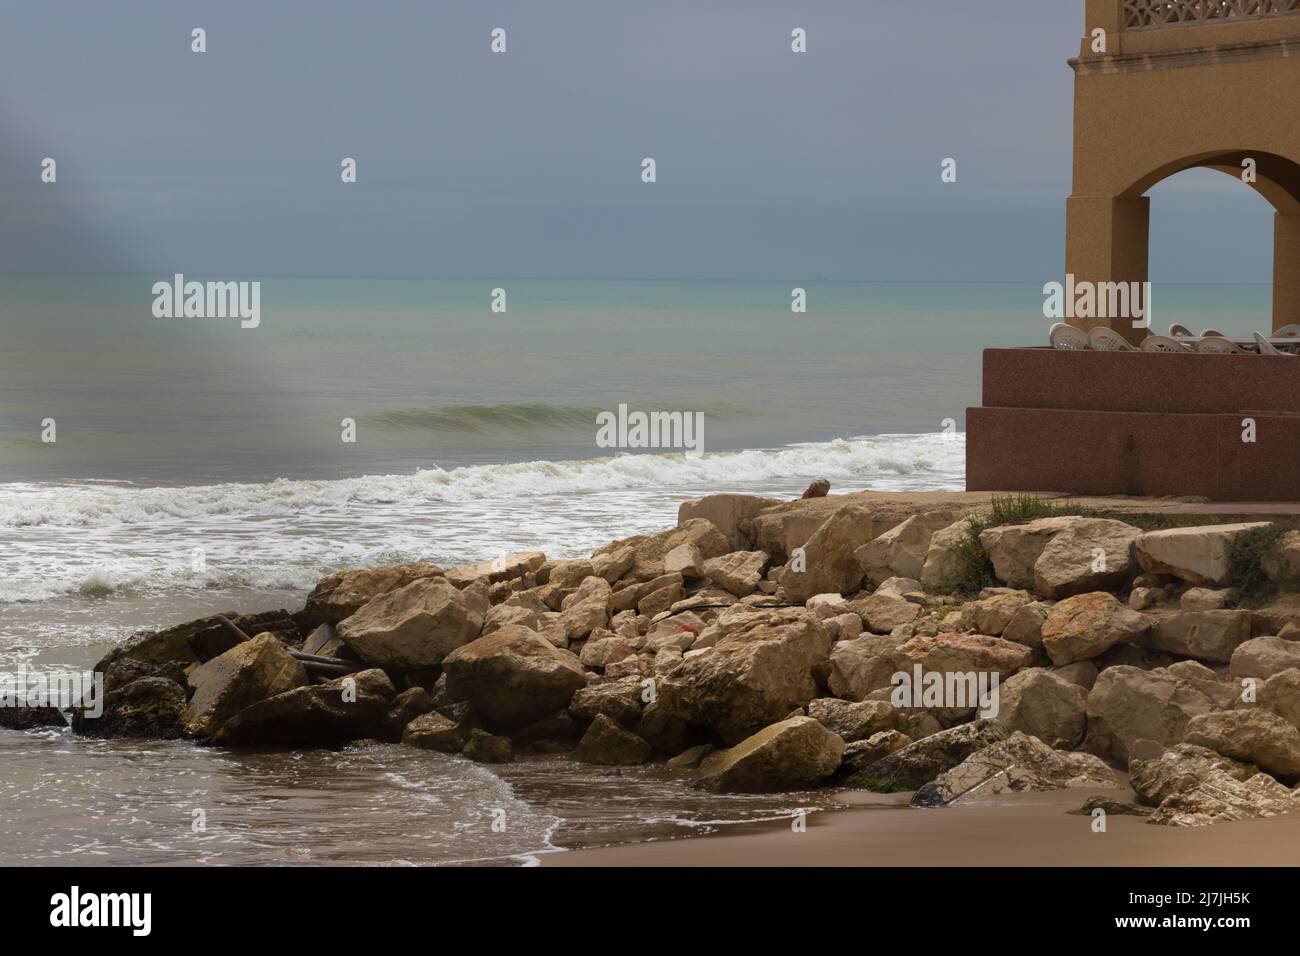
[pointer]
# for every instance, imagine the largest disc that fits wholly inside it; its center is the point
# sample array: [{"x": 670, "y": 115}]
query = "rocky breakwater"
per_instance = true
[{"x": 766, "y": 646}]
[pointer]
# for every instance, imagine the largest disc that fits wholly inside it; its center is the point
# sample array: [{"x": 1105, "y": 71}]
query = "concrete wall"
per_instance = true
[{"x": 1117, "y": 423}]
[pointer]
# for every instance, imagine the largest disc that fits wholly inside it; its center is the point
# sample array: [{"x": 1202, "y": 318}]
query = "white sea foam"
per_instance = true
[{"x": 94, "y": 538}]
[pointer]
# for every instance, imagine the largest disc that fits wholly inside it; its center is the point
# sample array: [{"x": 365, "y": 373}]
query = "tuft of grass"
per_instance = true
[
  {"x": 1017, "y": 509},
  {"x": 1251, "y": 587},
  {"x": 976, "y": 571}
]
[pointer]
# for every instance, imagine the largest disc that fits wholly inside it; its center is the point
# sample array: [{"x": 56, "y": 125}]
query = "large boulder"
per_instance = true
[
  {"x": 513, "y": 677},
  {"x": 561, "y": 576},
  {"x": 662, "y": 729},
  {"x": 945, "y": 558},
  {"x": 1014, "y": 549},
  {"x": 1018, "y": 764},
  {"x": 920, "y": 762},
  {"x": 415, "y": 626},
  {"x": 1263, "y": 657},
  {"x": 1026, "y": 624},
  {"x": 760, "y": 669},
  {"x": 863, "y": 664},
  {"x": 1211, "y": 636},
  {"x": 600, "y": 652},
  {"x": 199, "y": 641},
  {"x": 951, "y": 652},
  {"x": 507, "y": 567},
  {"x": 729, "y": 513},
  {"x": 901, "y": 551},
  {"x": 660, "y": 600},
  {"x": 151, "y": 707},
  {"x": 995, "y": 609},
  {"x": 1205, "y": 599},
  {"x": 686, "y": 560},
  {"x": 794, "y": 754},
  {"x": 1087, "y": 625},
  {"x": 1251, "y": 735},
  {"x": 32, "y": 718},
  {"x": 483, "y": 747},
  {"x": 828, "y": 564},
  {"x": 620, "y": 700},
  {"x": 629, "y": 596},
  {"x": 1128, "y": 704},
  {"x": 1198, "y": 555},
  {"x": 1281, "y": 695},
  {"x": 650, "y": 550},
  {"x": 882, "y": 612},
  {"x": 342, "y": 594},
  {"x": 323, "y": 715},
  {"x": 1045, "y": 705},
  {"x": 738, "y": 572},
  {"x": 608, "y": 744},
  {"x": 503, "y": 615},
  {"x": 402, "y": 709},
  {"x": 435, "y": 731},
  {"x": 586, "y": 609},
  {"x": 780, "y": 529},
  {"x": 852, "y": 721},
  {"x": 1092, "y": 554},
  {"x": 613, "y": 565},
  {"x": 861, "y": 754},
  {"x": 247, "y": 673},
  {"x": 124, "y": 670},
  {"x": 1191, "y": 786}
]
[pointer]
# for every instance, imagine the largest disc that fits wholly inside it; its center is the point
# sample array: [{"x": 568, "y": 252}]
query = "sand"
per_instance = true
[{"x": 1032, "y": 829}]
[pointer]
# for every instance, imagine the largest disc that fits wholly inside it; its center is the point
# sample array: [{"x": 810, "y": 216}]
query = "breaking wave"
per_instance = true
[{"x": 98, "y": 538}]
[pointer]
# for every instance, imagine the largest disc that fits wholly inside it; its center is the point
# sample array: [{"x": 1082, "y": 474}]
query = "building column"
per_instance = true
[
  {"x": 1106, "y": 241},
  {"x": 1286, "y": 269}
]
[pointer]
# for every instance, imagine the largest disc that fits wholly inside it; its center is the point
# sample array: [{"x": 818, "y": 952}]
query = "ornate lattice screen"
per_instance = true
[{"x": 1158, "y": 13}]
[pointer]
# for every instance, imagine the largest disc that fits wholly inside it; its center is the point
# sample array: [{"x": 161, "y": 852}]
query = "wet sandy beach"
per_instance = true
[{"x": 1033, "y": 829}]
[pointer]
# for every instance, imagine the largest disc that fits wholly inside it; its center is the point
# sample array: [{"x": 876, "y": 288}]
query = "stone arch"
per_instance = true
[
  {"x": 1277, "y": 178},
  {"x": 1205, "y": 93}
]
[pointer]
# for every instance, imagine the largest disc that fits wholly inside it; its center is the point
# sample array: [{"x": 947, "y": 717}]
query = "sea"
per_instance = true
[{"x": 155, "y": 470}]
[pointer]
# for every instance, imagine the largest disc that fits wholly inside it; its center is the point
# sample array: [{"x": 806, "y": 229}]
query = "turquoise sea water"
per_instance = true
[{"x": 433, "y": 377}]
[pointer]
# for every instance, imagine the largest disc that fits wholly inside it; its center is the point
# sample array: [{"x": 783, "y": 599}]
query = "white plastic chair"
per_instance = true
[
  {"x": 1108, "y": 340},
  {"x": 1218, "y": 345},
  {"x": 1177, "y": 331},
  {"x": 1212, "y": 332},
  {"x": 1266, "y": 347},
  {"x": 1287, "y": 331},
  {"x": 1068, "y": 338},
  {"x": 1162, "y": 343}
]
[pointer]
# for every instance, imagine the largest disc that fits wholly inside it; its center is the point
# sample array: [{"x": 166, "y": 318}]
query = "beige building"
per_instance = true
[{"x": 1167, "y": 85}]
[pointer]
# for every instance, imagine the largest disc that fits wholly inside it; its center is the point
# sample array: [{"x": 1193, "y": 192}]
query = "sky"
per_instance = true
[{"x": 770, "y": 164}]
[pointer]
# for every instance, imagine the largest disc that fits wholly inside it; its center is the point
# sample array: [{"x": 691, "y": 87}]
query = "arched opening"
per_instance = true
[
  {"x": 1210, "y": 252},
  {"x": 1108, "y": 234},
  {"x": 1275, "y": 179}
]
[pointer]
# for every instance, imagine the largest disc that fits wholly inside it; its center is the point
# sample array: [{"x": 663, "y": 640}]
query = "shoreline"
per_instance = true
[{"x": 1028, "y": 829}]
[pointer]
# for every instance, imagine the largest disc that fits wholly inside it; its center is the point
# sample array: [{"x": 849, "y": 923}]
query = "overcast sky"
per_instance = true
[{"x": 770, "y": 164}]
